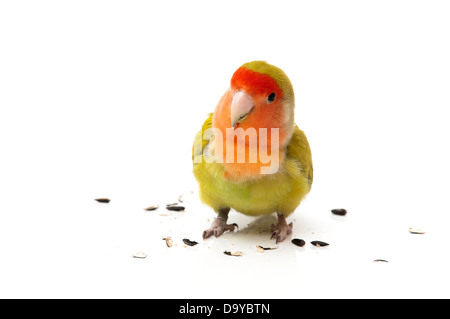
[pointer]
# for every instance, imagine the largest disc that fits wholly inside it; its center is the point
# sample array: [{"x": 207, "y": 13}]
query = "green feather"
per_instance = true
[
  {"x": 277, "y": 74},
  {"x": 281, "y": 192}
]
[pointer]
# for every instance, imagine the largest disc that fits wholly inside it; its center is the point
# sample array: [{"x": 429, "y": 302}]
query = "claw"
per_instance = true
[
  {"x": 281, "y": 230},
  {"x": 206, "y": 234},
  {"x": 275, "y": 234},
  {"x": 218, "y": 227},
  {"x": 231, "y": 227}
]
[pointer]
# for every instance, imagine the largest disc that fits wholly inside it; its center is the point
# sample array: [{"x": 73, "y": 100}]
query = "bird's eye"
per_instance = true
[{"x": 271, "y": 97}]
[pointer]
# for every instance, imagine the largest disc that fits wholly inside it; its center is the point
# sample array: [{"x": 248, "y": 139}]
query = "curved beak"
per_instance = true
[{"x": 241, "y": 105}]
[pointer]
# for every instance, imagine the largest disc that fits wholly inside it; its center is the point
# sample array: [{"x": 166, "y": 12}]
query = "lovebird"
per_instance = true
[{"x": 249, "y": 155}]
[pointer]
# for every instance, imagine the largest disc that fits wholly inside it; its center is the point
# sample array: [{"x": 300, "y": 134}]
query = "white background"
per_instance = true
[{"x": 103, "y": 99}]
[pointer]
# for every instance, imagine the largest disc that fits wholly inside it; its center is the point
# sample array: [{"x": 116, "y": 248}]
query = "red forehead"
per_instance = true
[{"x": 254, "y": 83}]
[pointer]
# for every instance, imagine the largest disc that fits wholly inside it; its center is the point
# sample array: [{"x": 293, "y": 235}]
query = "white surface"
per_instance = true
[{"x": 103, "y": 99}]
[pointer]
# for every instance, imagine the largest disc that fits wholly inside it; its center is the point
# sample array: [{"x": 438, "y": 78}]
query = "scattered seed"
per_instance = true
[
  {"x": 261, "y": 249},
  {"x": 416, "y": 231},
  {"x": 152, "y": 207},
  {"x": 189, "y": 242},
  {"x": 236, "y": 253},
  {"x": 380, "y": 261},
  {"x": 103, "y": 200},
  {"x": 176, "y": 208},
  {"x": 173, "y": 204},
  {"x": 339, "y": 212},
  {"x": 319, "y": 243},
  {"x": 180, "y": 198},
  {"x": 298, "y": 242},
  {"x": 169, "y": 241},
  {"x": 140, "y": 255}
]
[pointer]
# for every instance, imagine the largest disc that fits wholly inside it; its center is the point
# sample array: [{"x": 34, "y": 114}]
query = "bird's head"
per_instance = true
[{"x": 262, "y": 97}]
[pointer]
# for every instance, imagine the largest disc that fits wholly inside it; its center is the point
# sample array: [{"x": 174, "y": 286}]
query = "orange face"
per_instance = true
[
  {"x": 267, "y": 98},
  {"x": 254, "y": 100}
]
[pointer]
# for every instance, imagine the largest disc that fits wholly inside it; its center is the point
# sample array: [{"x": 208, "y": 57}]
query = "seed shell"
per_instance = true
[
  {"x": 103, "y": 200},
  {"x": 319, "y": 243},
  {"x": 260, "y": 249},
  {"x": 169, "y": 241},
  {"x": 416, "y": 231},
  {"x": 189, "y": 242},
  {"x": 176, "y": 208},
  {"x": 339, "y": 212},
  {"x": 236, "y": 253},
  {"x": 140, "y": 255},
  {"x": 298, "y": 242},
  {"x": 153, "y": 207},
  {"x": 380, "y": 261}
]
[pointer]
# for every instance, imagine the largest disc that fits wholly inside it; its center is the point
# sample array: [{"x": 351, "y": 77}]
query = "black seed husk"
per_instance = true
[
  {"x": 267, "y": 248},
  {"x": 189, "y": 242},
  {"x": 339, "y": 212},
  {"x": 380, "y": 260},
  {"x": 175, "y": 208},
  {"x": 298, "y": 242},
  {"x": 319, "y": 243},
  {"x": 103, "y": 200},
  {"x": 236, "y": 254}
]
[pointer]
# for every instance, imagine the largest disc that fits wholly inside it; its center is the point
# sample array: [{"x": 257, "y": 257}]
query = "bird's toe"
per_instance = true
[
  {"x": 207, "y": 233},
  {"x": 275, "y": 233},
  {"x": 218, "y": 227}
]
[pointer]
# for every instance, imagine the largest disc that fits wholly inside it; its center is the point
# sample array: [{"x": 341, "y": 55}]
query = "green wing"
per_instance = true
[
  {"x": 200, "y": 143},
  {"x": 299, "y": 149}
]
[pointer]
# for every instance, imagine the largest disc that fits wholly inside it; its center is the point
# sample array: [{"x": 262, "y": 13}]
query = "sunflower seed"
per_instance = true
[
  {"x": 173, "y": 204},
  {"x": 152, "y": 207},
  {"x": 260, "y": 249},
  {"x": 380, "y": 261},
  {"x": 298, "y": 242},
  {"x": 189, "y": 242},
  {"x": 319, "y": 243},
  {"x": 169, "y": 241},
  {"x": 416, "y": 231},
  {"x": 140, "y": 255},
  {"x": 339, "y": 212},
  {"x": 236, "y": 253},
  {"x": 103, "y": 200},
  {"x": 175, "y": 208}
]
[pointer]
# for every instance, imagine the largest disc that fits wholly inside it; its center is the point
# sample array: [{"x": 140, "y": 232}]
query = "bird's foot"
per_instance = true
[
  {"x": 281, "y": 230},
  {"x": 218, "y": 227}
]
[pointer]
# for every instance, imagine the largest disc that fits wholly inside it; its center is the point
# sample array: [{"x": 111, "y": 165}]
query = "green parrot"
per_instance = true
[{"x": 250, "y": 156}]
